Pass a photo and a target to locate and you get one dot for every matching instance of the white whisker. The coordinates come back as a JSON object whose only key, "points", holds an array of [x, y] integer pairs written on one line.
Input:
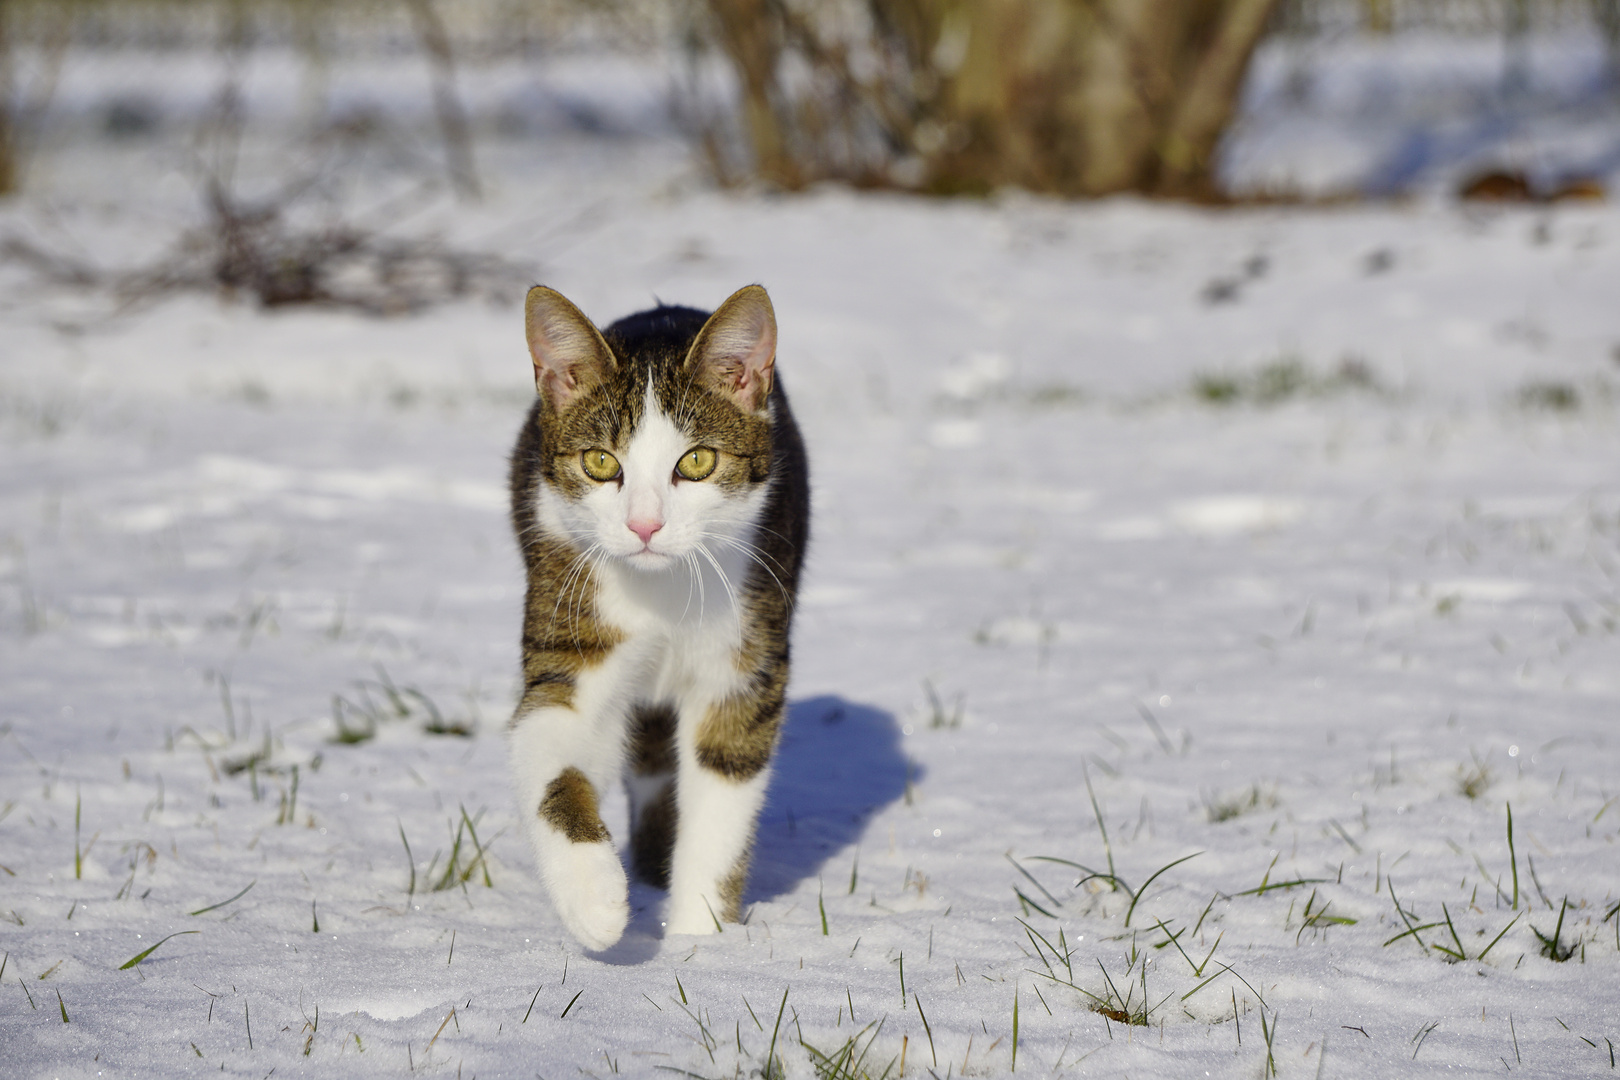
{"points": [[725, 582], [753, 552]]}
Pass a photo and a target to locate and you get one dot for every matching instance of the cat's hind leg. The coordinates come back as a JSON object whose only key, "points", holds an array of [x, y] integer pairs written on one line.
{"points": [[651, 782]]}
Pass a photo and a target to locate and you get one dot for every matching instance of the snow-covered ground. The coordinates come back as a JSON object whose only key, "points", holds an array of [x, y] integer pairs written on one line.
{"points": [[1285, 539]]}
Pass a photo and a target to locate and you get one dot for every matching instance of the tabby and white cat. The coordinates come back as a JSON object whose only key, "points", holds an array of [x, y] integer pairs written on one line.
{"points": [[661, 500]]}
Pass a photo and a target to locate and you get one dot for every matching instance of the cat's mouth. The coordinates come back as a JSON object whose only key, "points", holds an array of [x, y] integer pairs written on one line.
{"points": [[648, 559]]}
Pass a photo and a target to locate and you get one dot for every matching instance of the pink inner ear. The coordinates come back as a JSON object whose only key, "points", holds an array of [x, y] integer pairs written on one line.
{"points": [[743, 352], [562, 343]]}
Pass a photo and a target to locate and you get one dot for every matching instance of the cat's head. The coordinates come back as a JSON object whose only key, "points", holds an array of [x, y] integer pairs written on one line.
{"points": [[655, 433]]}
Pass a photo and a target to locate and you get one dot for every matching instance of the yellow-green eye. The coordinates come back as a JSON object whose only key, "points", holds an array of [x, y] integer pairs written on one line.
{"points": [[697, 463], [600, 465]]}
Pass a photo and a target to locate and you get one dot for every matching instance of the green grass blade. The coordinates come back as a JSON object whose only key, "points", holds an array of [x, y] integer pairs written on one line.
{"points": [[409, 858], [1500, 936], [481, 862], [770, 1055], [1461, 953], [1265, 887], [222, 903], [1108, 848], [1412, 932], [1031, 903], [138, 957], [1015, 1030], [1055, 901], [927, 1029], [1149, 881], [1513, 856]]}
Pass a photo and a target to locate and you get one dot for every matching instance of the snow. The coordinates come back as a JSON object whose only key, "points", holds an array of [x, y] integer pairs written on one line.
{"points": [[1327, 631]]}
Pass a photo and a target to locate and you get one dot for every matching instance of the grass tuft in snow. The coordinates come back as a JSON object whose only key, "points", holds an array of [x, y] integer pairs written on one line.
{"points": [[288, 809], [346, 735], [1410, 919], [1472, 782], [1175, 939], [1549, 396], [847, 1062], [1119, 883], [1224, 808], [398, 703], [1553, 947], [939, 715], [1460, 954], [1320, 919], [1120, 1008], [1284, 379], [454, 872]]}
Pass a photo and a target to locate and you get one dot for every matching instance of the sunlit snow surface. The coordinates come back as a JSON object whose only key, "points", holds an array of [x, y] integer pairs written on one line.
{"points": [[1326, 638]]}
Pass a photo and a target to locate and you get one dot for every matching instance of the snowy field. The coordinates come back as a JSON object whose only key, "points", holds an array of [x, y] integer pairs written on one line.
{"points": [[1193, 597]]}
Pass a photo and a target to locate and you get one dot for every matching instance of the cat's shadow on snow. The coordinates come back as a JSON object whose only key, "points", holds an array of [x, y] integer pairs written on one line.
{"points": [[838, 764]]}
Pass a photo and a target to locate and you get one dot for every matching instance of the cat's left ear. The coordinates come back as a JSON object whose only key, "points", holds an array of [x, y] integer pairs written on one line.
{"points": [[736, 349]]}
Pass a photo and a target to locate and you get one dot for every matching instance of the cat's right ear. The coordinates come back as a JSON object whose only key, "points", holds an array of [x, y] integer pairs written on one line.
{"points": [[568, 351]]}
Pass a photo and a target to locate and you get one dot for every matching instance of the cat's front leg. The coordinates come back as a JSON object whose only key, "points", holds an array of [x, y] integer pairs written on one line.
{"points": [[562, 766], [723, 774]]}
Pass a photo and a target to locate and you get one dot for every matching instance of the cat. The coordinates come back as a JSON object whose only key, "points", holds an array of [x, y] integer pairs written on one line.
{"points": [[660, 496]]}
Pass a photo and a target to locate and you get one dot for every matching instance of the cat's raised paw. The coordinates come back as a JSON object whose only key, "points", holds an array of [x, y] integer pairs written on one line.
{"points": [[591, 893]]}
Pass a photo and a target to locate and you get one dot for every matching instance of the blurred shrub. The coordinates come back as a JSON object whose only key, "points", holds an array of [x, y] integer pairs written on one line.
{"points": [[957, 96]]}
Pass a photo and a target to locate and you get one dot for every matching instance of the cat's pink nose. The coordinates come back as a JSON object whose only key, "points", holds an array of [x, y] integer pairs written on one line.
{"points": [[645, 529]]}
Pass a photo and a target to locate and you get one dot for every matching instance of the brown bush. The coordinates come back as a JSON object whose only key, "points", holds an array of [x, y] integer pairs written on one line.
{"points": [[1075, 97]]}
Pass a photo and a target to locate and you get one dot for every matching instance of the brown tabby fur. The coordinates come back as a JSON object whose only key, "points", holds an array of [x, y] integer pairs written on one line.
{"points": [[562, 633]]}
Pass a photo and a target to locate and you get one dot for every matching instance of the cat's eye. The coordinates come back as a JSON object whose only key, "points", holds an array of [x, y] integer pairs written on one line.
{"points": [[697, 463], [600, 465]]}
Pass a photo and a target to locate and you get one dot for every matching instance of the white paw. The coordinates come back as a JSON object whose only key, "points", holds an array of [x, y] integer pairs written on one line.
{"points": [[589, 889], [688, 914]]}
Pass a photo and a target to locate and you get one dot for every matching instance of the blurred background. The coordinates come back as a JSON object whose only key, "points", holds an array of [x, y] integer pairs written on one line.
{"points": [[1199, 99]]}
